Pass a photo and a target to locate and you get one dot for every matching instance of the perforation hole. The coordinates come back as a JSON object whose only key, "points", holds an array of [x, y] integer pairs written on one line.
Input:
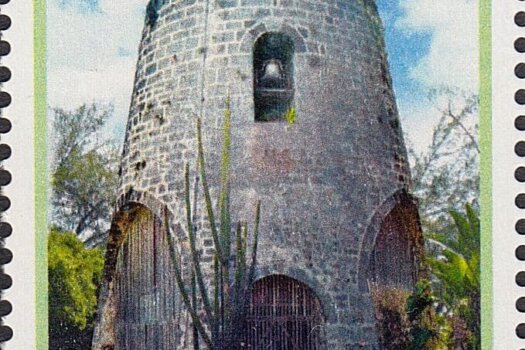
{"points": [[519, 122], [519, 19], [519, 148], [5, 281], [520, 279], [520, 252], [5, 203], [5, 308], [6, 256], [5, 99], [5, 230], [519, 70], [5, 125], [519, 97], [520, 330], [519, 174], [520, 304], [6, 333], [5, 48], [520, 201], [5, 22]]}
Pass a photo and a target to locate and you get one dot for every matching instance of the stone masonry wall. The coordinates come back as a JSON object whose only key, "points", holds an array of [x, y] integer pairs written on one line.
{"points": [[320, 180]]}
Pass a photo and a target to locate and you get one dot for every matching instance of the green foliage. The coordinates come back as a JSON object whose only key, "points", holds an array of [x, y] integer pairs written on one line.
{"points": [[410, 321], [445, 177], [290, 116], [222, 316], [82, 162], [393, 325], [458, 269], [74, 275], [429, 330]]}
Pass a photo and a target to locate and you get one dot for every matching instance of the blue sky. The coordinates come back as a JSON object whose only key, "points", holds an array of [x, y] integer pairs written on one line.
{"points": [[404, 49], [92, 48]]}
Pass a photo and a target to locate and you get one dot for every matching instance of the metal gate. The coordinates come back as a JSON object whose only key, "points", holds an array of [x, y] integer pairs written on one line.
{"points": [[145, 287], [284, 314]]}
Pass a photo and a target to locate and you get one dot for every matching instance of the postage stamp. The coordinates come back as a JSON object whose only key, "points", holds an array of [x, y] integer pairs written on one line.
{"points": [[262, 174]]}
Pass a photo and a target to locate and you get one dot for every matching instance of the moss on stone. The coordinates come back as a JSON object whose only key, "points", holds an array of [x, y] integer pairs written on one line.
{"points": [[290, 115]]}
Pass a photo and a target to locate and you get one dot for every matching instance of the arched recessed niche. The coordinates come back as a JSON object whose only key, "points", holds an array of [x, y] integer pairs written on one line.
{"points": [[393, 262], [273, 78]]}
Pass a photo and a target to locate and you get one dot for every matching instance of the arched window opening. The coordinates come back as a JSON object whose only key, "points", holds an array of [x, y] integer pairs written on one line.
{"points": [[145, 287], [284, 314], [273, 76], [393, 262]]}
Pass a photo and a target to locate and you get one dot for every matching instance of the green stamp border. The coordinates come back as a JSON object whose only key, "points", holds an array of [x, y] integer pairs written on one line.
{"points": [[485, 136], [40, 168], [40, 173]]}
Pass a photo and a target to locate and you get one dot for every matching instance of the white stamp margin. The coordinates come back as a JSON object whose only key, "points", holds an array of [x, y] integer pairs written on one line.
{"points": [[21, 165]]}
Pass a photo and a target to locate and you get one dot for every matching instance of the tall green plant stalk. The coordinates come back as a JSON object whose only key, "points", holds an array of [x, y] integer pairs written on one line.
{"points": [[196, 344], [224, 310], [225, 222], [182, 287]]}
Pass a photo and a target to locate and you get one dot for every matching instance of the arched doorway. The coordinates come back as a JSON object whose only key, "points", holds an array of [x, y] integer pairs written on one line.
{"points": [[284, 314], [144, 286], [394, 259], [393, 270]]}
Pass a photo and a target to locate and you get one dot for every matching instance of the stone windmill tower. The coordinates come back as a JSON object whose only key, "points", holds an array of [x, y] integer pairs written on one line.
{"points": [[337, 216]]}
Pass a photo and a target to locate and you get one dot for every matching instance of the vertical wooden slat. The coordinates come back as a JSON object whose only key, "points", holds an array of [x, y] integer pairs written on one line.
{"points": [[394, 258], [144, 287]]}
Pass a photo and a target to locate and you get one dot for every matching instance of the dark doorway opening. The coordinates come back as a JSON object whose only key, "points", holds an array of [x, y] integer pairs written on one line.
{"points": [[284, 314], [394, 262]]}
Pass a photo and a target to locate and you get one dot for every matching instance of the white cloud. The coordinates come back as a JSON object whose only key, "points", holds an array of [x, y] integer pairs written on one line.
{"points": [[418, 120], [86, 61], [88, 56], [453, 56], [111, 83], [452, 59]]}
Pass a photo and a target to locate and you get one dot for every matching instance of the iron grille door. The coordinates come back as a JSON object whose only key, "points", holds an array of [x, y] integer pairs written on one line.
{"points": [[284, 314]]}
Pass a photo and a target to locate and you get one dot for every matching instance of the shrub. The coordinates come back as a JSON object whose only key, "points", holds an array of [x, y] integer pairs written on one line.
{"points": [[392, 319], [74, 276], [428, 330]]}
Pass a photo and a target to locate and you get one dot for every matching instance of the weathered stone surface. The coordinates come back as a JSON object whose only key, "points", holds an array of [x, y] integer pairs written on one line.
{"points": [[321, 180]]}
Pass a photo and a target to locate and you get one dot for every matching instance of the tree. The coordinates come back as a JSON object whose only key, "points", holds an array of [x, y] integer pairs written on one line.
{"points": [[446, 174], [223, 312], [458, 269], [74, 275], [84, 174], [445, 177]]}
